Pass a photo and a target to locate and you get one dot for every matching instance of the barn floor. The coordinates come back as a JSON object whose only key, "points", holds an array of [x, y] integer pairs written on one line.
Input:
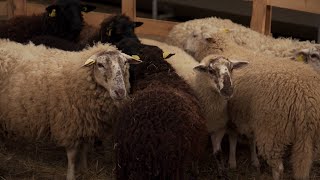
{"points": [[46, 162]]}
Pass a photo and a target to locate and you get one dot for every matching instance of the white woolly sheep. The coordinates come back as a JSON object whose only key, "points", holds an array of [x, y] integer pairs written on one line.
{"points": [[277, 103], [242, 36], [47, 94], [214, 104]]}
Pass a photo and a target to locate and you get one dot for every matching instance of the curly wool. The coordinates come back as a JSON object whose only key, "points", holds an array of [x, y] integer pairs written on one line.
{"points": [[242, 36], [162, 130], [278, 103], [47, 95]]}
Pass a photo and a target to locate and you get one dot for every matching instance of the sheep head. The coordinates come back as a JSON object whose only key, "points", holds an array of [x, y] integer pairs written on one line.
{"points": [[202, 42], [309, 56], [64, 18], [218, 70], [110, 70], [118, 27]]}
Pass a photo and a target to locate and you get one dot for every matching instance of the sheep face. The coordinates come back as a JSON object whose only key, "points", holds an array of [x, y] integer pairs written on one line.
{"points": [[64, 18], [110, 70], [218, 70], [203, 41], [310, 56], [117, 28]]}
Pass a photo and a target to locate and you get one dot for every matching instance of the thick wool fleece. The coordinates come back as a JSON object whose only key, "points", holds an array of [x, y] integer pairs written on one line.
{"points": [[47, 94], [162, 130], [212, 103], [278, 103], [243, 36]]}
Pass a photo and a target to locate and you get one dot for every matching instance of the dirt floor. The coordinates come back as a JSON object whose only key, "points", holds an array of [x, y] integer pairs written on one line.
{"points": [[38, 161]]}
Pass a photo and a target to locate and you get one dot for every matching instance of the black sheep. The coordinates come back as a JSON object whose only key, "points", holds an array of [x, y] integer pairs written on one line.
{"points": [[161, 131], [114, 29], [62, 19]]}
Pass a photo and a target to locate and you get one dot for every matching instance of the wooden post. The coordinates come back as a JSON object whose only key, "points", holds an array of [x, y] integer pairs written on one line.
{"points": [[16, 7], [128, 8], [267, 29], [261, 17], [10, 8], [20, 7]]}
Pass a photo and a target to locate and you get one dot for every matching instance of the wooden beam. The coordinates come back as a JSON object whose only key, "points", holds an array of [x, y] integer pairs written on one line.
{"points": [[267, 29], [20, 7], [3, 9], [154, 27], [311, 6], [128, 7], [258, 17], [10, 8]]}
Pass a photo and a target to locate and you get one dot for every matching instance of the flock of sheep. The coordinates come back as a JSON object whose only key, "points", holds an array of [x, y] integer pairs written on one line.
{"points": [[72, 84]]}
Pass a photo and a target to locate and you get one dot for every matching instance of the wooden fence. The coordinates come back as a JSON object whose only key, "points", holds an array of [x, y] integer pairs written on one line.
{"points": [[260, 19]]}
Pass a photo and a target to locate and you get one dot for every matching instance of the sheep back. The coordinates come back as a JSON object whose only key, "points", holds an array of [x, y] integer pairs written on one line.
{"points": [[47, 94]]}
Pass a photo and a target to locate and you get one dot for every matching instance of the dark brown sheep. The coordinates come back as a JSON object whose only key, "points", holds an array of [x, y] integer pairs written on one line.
{"points": [[62, 19]]}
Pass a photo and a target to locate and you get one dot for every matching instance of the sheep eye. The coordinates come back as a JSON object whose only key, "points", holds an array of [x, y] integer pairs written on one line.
{"points": [[100, 65], [211, 71], [314, 55], [194, 36]]}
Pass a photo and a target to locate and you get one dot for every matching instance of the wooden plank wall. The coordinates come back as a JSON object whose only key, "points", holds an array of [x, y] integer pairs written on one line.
{"points": [[262, 11]]}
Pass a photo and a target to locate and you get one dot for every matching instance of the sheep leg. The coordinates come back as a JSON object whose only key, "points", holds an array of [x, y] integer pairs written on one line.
{"points": [[272, 150], [232, 150], [84, 156], [254, 156], [216, 139], [302, 154], [72, 155]]}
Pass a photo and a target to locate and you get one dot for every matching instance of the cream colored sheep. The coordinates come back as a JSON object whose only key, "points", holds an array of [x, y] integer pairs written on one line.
{"points": [[214, 103], [242, 36], [276, 101], [48, 94]]}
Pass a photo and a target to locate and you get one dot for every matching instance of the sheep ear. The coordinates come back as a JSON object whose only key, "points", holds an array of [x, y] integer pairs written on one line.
{"points": [[89, 62], [138, 24], [210, 40], [239, 64], [87, 8], [134, 59], [167, 55], [201, 68], [52, 10]]}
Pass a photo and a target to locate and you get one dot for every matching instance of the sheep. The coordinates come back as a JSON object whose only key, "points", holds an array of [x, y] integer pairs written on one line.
{"points": [[49, 94], [213, 104], [242, 36], [276, 102], [62, 19], [161, 131], [114, 29], [309, 56]]}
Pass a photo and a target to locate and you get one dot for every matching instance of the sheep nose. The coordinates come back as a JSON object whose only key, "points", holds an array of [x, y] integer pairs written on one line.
{"points": [[120, 93]]}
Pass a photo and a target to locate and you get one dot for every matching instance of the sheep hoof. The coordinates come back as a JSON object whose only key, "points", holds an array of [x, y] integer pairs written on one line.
{"points": [[232, 164]]}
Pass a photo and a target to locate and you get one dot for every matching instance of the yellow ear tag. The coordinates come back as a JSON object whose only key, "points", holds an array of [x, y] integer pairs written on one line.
{"points": [[109, 32], [89, 62], [165, 55], [300, 58], [226, 30], [135, 57], [84, 9], [53, 13]]}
